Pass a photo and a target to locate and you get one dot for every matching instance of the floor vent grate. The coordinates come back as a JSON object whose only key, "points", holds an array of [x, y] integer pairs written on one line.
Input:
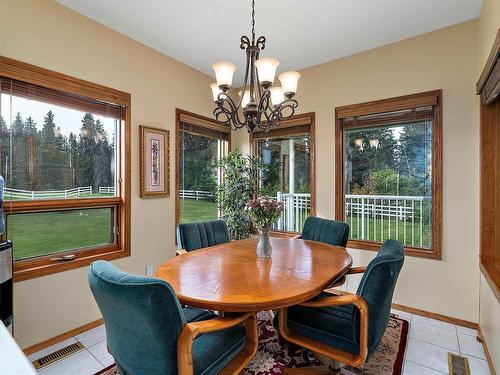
{"points": [[58, 355], [458, 365]]}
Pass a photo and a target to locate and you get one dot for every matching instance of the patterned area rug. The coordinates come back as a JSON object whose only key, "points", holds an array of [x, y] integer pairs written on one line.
{"points": [[273, 356]]}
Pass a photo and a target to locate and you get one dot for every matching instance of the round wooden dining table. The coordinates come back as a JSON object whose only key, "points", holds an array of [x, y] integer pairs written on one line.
{"points": [[231, 278]]}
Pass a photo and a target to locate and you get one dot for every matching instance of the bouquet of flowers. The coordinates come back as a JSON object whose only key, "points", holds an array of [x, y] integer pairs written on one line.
{"points": [[264, 211]]}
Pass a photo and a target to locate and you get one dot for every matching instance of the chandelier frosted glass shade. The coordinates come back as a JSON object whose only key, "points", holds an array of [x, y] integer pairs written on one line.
{"points": [[245, 99], [266, 68], [224, 72], [262, 105], [277, 95], [215, 90], [289, 81]]}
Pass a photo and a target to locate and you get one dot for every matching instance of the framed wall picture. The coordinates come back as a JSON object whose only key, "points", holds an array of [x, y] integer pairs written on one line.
{"points": [[154, 162]]}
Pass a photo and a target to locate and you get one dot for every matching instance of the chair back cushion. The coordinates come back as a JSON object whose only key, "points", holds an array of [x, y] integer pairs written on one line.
{"points": [[332, 232], [194, 236], [142, 316], [377, 287]]}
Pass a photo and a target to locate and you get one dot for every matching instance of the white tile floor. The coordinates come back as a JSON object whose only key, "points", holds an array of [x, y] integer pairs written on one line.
{"points": [[426, 353]]}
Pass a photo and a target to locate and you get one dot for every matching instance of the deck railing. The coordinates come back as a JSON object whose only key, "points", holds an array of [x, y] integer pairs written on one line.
{"points": [[297, 209], [378, 217], [370, 217]]}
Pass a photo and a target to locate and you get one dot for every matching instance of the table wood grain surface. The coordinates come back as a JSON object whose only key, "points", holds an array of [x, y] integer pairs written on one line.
{"points": [[231, 278]]}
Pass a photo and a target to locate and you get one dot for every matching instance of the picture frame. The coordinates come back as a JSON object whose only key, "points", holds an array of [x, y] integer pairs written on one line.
{"points": [[154, 162]]}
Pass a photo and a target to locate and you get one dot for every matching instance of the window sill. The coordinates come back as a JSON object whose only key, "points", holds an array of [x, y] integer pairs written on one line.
{"points": [[492, 276], [409, 250], [33, 268]]}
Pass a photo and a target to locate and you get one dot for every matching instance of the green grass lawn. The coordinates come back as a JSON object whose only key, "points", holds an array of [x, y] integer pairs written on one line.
{"points": [[36, 234], [193, 210], [373, 234]]}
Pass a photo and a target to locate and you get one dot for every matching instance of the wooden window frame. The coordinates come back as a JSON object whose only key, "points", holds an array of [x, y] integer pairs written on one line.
{"points": [[41, 266], [294, 125], [401, 103], [488, 88], [183, 116]]}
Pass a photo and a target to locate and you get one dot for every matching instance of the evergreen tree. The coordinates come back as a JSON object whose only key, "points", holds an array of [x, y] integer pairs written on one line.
{"points": [[415, 154], [73, 158], [18, 176], [198, 166], [369, 151], [86, 151], [102, 158], [31, 144], [52, 166], [4, 147]]}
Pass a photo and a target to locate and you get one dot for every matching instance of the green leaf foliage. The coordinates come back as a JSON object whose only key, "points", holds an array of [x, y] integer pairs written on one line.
{"points": [[239, 185]]}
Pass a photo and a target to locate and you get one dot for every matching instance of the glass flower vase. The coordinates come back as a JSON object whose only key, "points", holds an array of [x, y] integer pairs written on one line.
{"points": [[264, 248]]}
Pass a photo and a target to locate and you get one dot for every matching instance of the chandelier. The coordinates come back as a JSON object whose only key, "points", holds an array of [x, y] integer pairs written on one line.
{"points": [[262, 104]]}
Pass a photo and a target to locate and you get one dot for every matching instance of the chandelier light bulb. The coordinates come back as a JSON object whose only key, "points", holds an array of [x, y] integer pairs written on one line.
{"points": [[224, 73], [246, 98], [289, 82], [277, 95], [266, 68], [359, 143], [374, 143], [215, 90]]}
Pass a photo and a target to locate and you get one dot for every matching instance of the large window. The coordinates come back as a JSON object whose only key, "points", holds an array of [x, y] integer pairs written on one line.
{"points": [[201, 143], [66, 177], [288, 154], [388, 182], [488, 88]]}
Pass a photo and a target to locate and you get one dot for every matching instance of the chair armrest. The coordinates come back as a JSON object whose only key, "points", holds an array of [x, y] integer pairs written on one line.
{"points": [[330, 352], [217, 324], [180, 252], [192, 330], [354, 270], [341, 280]]}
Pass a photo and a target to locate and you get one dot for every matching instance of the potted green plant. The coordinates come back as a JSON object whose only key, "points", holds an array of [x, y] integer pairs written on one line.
{"points": [[240, 183]]}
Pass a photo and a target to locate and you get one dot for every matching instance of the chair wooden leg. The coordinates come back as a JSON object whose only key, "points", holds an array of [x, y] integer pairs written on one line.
{"points": [[249, 350], [271, 315]]}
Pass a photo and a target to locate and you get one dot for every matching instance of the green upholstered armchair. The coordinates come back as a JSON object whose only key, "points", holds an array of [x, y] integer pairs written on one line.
{"points": [[194, 236], [348, 327], [148, 333], [332, 232]]}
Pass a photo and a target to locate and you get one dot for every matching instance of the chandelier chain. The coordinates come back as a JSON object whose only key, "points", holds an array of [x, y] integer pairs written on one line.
{"points": [[253, 21]]}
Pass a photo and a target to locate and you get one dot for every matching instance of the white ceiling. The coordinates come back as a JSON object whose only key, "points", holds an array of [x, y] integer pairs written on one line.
{"points": [[300, 33]]}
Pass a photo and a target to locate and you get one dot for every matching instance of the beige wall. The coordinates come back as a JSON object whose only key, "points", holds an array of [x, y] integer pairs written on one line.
{"points": [[46, 34], [489, 319], [53, 37], [444, 59]]}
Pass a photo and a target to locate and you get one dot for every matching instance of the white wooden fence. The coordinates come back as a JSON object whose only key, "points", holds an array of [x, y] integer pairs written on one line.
{"points": [[11, 193], [19, 194], [196, 194], [110, 190]]}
